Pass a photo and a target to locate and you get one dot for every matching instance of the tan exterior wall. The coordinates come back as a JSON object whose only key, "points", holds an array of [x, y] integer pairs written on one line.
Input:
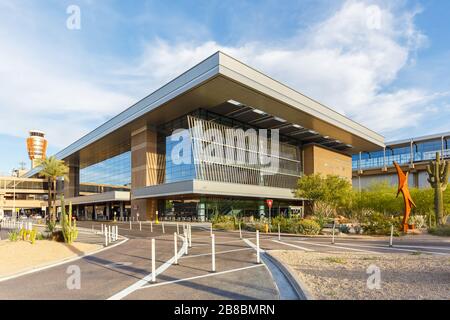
{"points": [[324, 161], [145, 171]]}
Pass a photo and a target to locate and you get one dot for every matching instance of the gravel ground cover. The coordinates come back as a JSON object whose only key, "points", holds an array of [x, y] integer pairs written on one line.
{"points": [[336, 276]]}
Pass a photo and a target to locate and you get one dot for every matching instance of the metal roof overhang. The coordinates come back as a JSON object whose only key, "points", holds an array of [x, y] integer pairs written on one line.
{"points": [[211, 83], [193, 188], [112, 196]]}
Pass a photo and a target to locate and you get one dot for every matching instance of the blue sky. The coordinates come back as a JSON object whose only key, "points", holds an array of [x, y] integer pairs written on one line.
{"points": [[382, 63]]}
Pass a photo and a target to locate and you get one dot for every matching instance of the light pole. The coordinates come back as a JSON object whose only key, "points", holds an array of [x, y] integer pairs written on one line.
{"points": [[14, 198]]}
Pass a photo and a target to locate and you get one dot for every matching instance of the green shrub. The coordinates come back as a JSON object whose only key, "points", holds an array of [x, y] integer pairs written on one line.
{"points": [[377, 223], [40, 236], [226, 222], [228, 225], [51, 226], [307, 227], [443, 231], [418, 221], [285, 224], [13, 236], [255, 225]]}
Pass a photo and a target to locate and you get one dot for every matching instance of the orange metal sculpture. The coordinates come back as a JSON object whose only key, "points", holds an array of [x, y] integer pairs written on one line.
{"points": [[403, 188]]}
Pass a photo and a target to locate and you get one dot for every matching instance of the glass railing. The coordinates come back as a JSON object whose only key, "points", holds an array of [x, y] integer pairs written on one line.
{"points": [[379, 162]]}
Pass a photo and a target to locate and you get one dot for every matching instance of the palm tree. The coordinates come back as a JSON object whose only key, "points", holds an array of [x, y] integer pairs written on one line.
{"points": [[52, 169]]}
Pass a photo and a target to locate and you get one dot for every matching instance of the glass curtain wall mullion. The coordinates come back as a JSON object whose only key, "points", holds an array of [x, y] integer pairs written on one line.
{"points": [[240, 170]]}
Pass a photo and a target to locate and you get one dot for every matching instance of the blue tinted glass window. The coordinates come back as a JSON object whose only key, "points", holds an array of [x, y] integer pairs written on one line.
{"points": [[113, 171]]}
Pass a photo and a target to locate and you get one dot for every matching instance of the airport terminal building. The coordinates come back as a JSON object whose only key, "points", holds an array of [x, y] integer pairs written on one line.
{"points": [[126, 167], [413, 155]]}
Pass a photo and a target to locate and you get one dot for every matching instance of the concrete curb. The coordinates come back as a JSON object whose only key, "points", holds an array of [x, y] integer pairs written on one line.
{"points": [[299, 286]]}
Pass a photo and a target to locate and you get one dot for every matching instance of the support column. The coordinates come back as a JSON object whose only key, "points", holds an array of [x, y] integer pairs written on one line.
{"points": [[144, 171], [72, 187], [108, 211], [121, 211]]}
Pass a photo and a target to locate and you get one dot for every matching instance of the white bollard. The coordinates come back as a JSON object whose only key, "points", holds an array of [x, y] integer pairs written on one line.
{"points": [[151, 226], [175, 247], [140, 226], [332, 239], [163, 230], [153, 261], [178, 228], [240, 231], [130, 224], [258, 260], [102, 228], [210, 230], [106, 237], [392, 234], [109, 234], [213, 253], [279, 234], [190, 236]]}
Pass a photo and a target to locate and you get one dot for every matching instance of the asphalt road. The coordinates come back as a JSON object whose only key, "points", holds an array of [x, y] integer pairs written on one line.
{"points": [[118, 272]]}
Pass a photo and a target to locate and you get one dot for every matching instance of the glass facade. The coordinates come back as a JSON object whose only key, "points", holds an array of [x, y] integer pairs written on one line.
{"points": [[421, 151], [177, 171], [242, 170], [115, 171], [243, 157]]}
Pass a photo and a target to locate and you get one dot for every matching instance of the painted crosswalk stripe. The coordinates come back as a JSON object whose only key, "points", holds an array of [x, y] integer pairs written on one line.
{"points": [[199, 277], [340, 247], [395, 249], [219, 252], [293, 245]]}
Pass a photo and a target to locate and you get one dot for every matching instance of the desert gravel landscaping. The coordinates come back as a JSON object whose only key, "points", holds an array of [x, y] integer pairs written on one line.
{"points": [[21, 256], [342, 276]]}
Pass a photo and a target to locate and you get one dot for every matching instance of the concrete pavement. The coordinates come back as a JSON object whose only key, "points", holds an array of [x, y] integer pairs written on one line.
{"points": [[237, 275]]}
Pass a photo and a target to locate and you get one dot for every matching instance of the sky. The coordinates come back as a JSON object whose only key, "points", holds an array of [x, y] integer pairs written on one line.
{"points": [[384, 64]]}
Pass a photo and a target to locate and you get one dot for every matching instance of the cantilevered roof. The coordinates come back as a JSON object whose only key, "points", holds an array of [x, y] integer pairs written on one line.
{"points": [[404, 142], [212, 82]]}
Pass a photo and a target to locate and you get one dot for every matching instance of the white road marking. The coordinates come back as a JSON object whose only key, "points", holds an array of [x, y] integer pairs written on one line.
{"points": [[339, 247], [421, 247], [251, 244], [199, 277], [125, 292], [292, 245], [218, 243], [220, 252], [395, 249]]}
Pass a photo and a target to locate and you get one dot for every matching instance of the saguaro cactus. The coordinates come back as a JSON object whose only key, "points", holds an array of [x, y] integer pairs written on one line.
{"points": [[69, 228], [438, 172]]}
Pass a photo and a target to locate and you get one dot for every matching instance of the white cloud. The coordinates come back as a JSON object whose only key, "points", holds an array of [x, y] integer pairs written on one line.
{"points": [[348, 62]]}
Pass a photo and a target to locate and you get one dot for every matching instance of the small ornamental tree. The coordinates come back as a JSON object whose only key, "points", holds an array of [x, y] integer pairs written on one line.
{"points": [[326, 194]]}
